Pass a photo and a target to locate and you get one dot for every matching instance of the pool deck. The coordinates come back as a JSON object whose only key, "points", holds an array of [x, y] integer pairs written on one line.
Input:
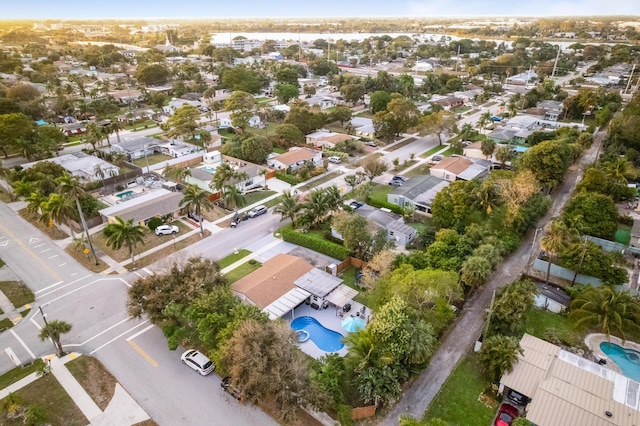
{"points": [[330, 319], [593, 342]]}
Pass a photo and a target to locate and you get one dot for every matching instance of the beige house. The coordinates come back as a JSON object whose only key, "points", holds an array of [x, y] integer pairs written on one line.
{"points": [[295, 158], [566, 389], [460, 168]]}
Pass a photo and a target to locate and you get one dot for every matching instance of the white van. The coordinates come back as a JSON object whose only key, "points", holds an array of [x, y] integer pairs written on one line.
{"points": [[335, 160]]}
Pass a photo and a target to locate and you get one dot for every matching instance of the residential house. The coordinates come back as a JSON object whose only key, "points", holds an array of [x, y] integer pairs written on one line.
{"points": [[254, 176], [553, 109], [176, 103], [137, 148], [447, 102], [155, 203], [564, 388], [295, 158], [74, 129], [522, 79], [393, 225], [254, 122], [460, 168], [82, 166], [363, 127], [284, 282], [417, 193], [324, 102], [136, 115], [321, 139]]}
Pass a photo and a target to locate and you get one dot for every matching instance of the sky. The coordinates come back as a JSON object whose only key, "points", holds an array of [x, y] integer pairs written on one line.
{"points": [[74, 9]]}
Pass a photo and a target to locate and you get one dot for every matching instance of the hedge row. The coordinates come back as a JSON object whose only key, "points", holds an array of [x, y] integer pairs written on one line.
{"points": [[329, 248], [290, 179], [384, 205]]}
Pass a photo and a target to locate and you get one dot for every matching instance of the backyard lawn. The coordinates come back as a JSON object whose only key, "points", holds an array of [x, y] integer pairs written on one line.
{"points": [[421, 170], [551, 326], [458, 402], [152, 159]]}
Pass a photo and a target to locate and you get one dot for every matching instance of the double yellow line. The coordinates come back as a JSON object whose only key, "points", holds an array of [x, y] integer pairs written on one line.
{"points": [[143, 353], [28, 250]]}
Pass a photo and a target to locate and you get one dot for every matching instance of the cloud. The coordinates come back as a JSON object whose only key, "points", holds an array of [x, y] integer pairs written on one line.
{"points": [[469, 8]]}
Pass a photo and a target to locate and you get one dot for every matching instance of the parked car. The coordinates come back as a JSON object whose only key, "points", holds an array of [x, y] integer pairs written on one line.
{"points": [[372, 144], [356, 204], [505, 416], [400, 178], [396, 183], [257, 211], [167, 230], [437, 158], [225, 384], [194, 217], [517, 398], [198, 361], [335, 160]]}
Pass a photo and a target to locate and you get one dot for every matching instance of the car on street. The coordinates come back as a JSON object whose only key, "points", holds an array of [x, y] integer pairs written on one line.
{"points": [[226, 385], [400, 178], [198, 361], [505, 416], [335, 160], [396, 183], [257, 211], [167, 230]]}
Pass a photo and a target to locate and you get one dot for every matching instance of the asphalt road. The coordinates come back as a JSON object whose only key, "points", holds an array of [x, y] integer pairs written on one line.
{"points": [[461, 337]]}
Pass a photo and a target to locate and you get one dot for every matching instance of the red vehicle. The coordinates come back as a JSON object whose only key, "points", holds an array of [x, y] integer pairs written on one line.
{"points": [[505, 416]]}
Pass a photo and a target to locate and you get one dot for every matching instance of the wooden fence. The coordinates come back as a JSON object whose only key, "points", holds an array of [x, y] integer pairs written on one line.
{"points": [[349, 261], [363, 412]]}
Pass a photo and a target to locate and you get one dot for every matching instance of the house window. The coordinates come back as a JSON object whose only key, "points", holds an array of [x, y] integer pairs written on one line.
{"points": [[391, 233]]}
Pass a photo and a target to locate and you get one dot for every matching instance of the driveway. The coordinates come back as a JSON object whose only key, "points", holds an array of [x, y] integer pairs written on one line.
{"points": [[461, 337]]}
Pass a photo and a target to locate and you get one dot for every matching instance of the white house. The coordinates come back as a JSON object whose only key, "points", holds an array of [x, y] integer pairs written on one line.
{"points": [[295, 158], [253, 122], [176, 103], [83, 166]]}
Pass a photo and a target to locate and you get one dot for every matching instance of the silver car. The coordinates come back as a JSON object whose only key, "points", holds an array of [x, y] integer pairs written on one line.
{"points": [[167, 230]]}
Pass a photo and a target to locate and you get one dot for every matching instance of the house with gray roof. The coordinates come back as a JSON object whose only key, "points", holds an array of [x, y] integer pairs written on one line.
{"points": [[157, 203], [82, 166], [137, 148], [392, 224], [417, 193]]}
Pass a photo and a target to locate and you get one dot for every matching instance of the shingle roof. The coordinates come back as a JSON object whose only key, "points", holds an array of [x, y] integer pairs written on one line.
{"points": [[454, 165], [272, 280], [293, 156], [416, 186]]}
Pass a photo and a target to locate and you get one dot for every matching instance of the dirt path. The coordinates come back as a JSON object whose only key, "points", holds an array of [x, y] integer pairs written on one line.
{"points": [[462, 336]]}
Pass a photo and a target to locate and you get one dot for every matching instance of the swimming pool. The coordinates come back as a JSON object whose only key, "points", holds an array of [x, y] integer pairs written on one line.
{"points": [[325, 339], [627, 359], [209, 169], [125, 194]]}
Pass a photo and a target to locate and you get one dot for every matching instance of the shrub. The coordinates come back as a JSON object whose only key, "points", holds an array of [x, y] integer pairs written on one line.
{"points": [[384, 205], [154, 222], [290, 179], [329, 248], [626, 220]]}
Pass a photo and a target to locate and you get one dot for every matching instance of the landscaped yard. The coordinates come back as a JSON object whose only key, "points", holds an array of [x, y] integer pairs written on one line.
{"points": [[379, 193], [52, 232], [17, 293], [164, 253], [458, 402], [551, 326], [421, 170], [48, 397], [141, 125], [94, 378], [18, 373], [433, 151], [152, 159], [233, 258], [270, 129], [254, 197], [319, 181], [242, 271]]}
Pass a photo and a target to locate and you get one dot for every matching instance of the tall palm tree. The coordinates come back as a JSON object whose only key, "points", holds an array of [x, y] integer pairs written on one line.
{"points": [[484, 119], [195, 200], [127, 234], [503, 154], [486, 197], [611, 311], [556, 239], [35, 200], [58, 209], [177, 173], [53, 330], [69, 186], [316, 206], [224, 172], [99, 172], [289, 207], [115, 127], [475, 271], [233, 197]]}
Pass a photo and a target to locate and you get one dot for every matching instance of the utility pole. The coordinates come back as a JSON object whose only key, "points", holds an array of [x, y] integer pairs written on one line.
{"points": [[584, 251], [630, 78], [533, 245], [46, 325], [555, 64], [489, 314]]}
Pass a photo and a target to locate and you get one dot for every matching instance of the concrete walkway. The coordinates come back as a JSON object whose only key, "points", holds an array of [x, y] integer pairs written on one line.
{"points": [[122, 409]]}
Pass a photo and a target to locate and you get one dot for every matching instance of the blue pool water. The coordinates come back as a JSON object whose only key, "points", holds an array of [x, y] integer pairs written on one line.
{"points": [[125, 194], [627, 359], [211, 170], [325, 339]]}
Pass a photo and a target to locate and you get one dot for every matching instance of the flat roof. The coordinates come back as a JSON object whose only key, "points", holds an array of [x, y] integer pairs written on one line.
{"points": [[158, 202]]}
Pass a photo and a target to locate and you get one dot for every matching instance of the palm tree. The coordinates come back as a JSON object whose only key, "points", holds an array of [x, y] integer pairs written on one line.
{"points": [[70, 187], [316, 206], [499, 354], [196, 199], [611, 311], [224, 172], [289, 207], [35, 200], [485, 118], [53, 330], [115, 127], [233, 197], [99, 172], [486, 197], [488, 147], [556, 239], [58, 209], [125, 233], [619, 169], [475, 271], [177, 173], [503, 154]]}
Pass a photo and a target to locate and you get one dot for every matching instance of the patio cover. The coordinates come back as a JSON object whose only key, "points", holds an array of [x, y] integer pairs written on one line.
{"points": [[317, 282], [341, 295], [286, 303]]}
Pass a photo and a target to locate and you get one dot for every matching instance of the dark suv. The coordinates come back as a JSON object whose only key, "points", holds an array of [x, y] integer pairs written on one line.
{"points": [[225, 384], [517, 398]]}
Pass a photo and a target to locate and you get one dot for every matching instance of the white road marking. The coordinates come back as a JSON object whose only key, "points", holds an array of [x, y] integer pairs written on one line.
{"points": [[39, 245], [60, 282], [148, 271], [53, 257], [13, 357], [38, 326], [140, 332], [67, 285], [125, 282], [24, 345], [75, 273], [44, 251], [105, 330], [62, 264], [34, 240], [117, 337], [4, 243], [138, 274]]}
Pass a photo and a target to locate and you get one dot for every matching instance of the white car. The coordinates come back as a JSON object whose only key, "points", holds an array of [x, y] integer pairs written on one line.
{"points": [[167, 230], [257, 211], [335, 160], [198, 361]]}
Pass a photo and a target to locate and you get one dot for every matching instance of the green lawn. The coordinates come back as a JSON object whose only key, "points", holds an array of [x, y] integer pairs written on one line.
{"points": [[421, 170], [551, 326], [241, 271], [152, 159], [349, 278], [623, 234], [279, 150], [458, 401], [273, 202], [141, 125], [254, 197], [233, 258], [449, 152], [5, 324], [320, 181], [18, 373], [380, 192], [17, 293], [269, 130], [433, 151]]}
